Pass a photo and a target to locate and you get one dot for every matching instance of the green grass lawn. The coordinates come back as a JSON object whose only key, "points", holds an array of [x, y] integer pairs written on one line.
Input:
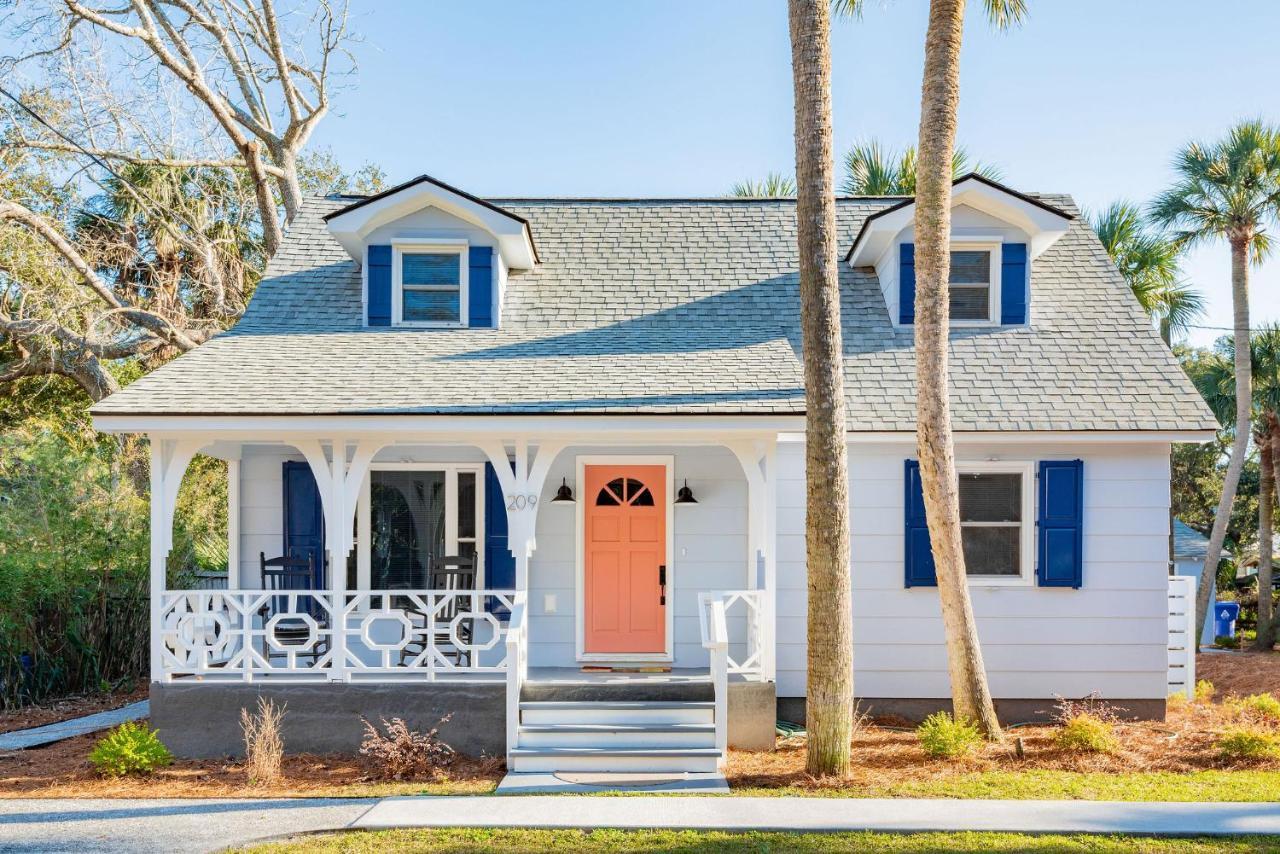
{"points": [[1243, 785], [690, 842]]}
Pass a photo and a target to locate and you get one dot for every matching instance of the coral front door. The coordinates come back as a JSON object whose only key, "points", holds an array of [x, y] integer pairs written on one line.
{"points": [[624, 573]]}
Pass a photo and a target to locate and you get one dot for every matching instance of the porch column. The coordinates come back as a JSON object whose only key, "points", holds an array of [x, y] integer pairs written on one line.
{"points": [[759, 463], [169, 461], [339, 483], [522, 484], [233, 524]]}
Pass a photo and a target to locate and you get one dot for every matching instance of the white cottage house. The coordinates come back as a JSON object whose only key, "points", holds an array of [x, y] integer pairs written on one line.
{"points": [[539, 464]]}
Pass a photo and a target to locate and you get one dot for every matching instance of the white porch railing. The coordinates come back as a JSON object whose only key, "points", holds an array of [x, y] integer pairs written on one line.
{"points": [[744, 657], [518, 669], [1184, 636], [320, 635], [714, 616]]}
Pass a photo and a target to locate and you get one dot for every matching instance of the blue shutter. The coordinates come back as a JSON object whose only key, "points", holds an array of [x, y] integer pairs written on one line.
{"points": [[1013, 283], [1061, 522], [480, 286], [304, 518], [907, 283], [499, 563], [379, 283], [918, 549]]}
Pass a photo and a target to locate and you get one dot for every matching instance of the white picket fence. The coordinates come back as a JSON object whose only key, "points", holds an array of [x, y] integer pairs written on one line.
{"points": [[1183, 635]]}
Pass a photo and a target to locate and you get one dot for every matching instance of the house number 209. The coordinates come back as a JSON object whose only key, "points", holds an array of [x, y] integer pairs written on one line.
{"points": [[520, 502]]}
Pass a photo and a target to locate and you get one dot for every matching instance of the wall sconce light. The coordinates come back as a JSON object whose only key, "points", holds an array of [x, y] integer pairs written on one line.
{"points": [[564, 495], [685, 495]]}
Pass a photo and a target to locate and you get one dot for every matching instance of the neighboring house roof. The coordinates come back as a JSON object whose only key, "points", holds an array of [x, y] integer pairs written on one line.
{"points": [[674, 306], [1189, 544]]}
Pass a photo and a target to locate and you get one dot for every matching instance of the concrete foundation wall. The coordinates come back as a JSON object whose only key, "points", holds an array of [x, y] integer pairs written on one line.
{"points": [[203, 721], [1010, 711]]}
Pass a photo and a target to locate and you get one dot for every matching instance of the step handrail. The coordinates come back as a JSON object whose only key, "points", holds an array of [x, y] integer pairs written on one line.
{"points": [[715, 639], [517, 666]]}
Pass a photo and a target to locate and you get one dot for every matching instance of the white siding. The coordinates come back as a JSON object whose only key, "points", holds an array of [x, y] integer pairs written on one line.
{"points": [[1108, 637]]}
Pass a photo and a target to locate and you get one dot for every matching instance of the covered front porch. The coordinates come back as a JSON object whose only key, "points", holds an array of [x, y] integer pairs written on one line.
{"points": [[523, 601]]}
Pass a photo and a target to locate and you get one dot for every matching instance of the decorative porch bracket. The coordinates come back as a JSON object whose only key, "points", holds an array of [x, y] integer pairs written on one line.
{"points": [[759, 461], [522, 485]]}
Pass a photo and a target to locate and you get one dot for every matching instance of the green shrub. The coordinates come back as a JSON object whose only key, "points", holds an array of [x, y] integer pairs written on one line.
{"points": [[1227, 642], [1086, 733], [1264, 706], [131, 748], [1205, 691], [946, 737], [1248, 743]]}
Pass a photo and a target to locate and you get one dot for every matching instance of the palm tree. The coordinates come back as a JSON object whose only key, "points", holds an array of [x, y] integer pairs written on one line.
{"points": [[871, 170], [1227, 189], [1214, 377], [1149, 263], [829, 705], [935, 443], [774, 186]]}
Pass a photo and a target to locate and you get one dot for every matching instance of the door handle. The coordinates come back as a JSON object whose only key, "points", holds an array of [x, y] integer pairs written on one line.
{"points": [[662, 583]]}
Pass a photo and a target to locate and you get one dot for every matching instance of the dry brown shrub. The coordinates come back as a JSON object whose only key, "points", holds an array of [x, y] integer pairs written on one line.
{"points": [[263, 741], [398, 753]]}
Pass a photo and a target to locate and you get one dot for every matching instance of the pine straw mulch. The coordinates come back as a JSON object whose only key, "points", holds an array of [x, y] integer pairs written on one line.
{"points": [[1240, 672], [66, 708], [62, 770], [885, 757]]}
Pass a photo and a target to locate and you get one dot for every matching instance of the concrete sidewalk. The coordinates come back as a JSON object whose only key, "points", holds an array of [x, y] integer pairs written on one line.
{"points": [[120, 826], [825, 814], [23, 739], [127, 826]]}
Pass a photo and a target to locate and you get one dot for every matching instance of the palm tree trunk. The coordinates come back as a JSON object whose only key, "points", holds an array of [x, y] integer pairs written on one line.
{"points": [[970, 694], [829, 705], [1266, 612], [1240, 242], [1266, 498]]}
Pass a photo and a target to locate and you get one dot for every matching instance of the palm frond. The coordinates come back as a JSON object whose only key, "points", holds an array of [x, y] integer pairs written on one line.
{"points": [[870, 169], [1006, 14], [773, 186], [847, 8]]}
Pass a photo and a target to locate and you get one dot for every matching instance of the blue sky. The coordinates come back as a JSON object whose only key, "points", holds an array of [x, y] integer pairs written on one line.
{"points": [[660, 97]]}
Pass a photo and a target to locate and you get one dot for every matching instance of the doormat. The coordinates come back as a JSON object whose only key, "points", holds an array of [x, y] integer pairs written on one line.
{"points": [[605, 668]]}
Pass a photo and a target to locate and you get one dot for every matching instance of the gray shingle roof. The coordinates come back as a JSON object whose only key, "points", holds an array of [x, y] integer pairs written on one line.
{"points": [[1189, 544], [679, 306]]}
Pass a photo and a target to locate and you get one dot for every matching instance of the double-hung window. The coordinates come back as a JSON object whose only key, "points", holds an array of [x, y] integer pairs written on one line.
{"points": [[970, 285], [996, 521], [430, 284]]}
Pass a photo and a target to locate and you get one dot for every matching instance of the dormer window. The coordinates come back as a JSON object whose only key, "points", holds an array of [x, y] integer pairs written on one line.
{"points": [[429, 283], [972, 287]]}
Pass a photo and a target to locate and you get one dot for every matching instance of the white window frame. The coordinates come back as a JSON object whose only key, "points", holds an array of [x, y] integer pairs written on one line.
{"points": [[993, 249], [413, 246], [364, 516], [1027, 540]]}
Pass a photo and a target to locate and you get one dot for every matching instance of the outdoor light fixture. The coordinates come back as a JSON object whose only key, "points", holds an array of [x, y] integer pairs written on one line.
{"points": [[564, 495], [685, 495]]}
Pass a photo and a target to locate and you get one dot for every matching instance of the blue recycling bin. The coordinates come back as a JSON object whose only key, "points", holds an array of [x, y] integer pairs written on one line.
{"points": [[1225, 615]]}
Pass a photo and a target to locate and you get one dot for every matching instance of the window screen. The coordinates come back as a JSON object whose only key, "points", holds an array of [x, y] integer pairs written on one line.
{"points": [[991, 523], [431, 284], [969, 286]]}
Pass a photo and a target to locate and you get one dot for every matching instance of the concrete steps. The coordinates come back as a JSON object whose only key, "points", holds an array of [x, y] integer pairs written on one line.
{"points": [[655, 736]]}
